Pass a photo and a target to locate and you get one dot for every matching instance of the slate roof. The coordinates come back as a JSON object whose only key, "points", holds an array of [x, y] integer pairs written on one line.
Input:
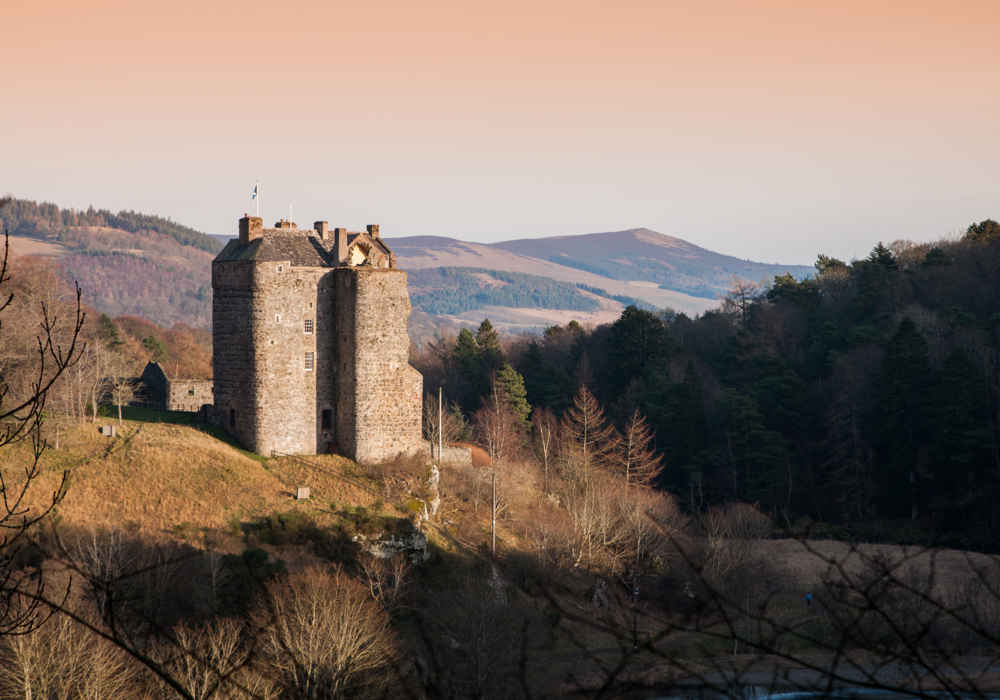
{"points": [[296, 246]]}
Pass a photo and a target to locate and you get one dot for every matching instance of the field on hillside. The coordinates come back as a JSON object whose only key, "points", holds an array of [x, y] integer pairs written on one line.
{"points": [[22, 245]]}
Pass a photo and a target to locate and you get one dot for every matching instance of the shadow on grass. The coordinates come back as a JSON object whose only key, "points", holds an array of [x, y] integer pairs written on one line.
{"points": [[142, 414]]}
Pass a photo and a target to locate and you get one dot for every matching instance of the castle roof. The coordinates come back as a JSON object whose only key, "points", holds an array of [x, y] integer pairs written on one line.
{"points": [[302, 250], [303, 247]]}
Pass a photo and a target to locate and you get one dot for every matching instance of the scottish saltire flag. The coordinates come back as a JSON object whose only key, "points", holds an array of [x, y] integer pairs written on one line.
{"points": [[253, 193]]}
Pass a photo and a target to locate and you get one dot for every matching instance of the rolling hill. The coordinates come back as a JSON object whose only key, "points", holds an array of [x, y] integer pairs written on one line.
{"points": [[136, 264]]}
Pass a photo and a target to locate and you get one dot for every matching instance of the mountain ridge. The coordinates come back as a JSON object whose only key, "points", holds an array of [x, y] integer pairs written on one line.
{"points": [[155, 268]]}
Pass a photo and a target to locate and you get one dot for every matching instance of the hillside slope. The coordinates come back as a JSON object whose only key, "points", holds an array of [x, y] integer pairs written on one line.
{"points": [[134, 264], [422, 252], [648, 256]]}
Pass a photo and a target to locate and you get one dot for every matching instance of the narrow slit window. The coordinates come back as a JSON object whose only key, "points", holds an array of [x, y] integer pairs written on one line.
{"points": [[310, 361], [309, 326], [326, 419], [277, 318], [232, 417]]}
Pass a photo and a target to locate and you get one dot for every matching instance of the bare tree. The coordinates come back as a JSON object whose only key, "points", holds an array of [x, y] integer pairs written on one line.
{"points": [[453, 426], [545, 428], [387, 578], [324, 635], [500, 430], [739, 298], [56, 346], [62, 659], [214, 661], [121, 382]]}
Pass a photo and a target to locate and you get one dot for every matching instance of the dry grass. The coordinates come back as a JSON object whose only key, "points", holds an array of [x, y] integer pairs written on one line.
{"points": [[805, 562], [160, 477]]}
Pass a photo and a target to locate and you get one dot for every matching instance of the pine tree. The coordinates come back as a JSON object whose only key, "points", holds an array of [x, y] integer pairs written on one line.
{"points": [[490, 353], [511, 385], [639, 460], [585, 426]]}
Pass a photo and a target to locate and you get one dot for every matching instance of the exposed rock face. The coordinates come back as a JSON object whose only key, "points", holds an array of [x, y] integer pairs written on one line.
{"points": [[385, 546], [433, 495], [310, 344]]}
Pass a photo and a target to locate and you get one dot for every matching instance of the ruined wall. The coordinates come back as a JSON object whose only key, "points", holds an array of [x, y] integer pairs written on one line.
{"points": [[379, 394], [232, 352], [188, 394]]}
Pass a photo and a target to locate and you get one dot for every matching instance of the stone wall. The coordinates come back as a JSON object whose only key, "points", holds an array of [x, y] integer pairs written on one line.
{"points": [[188, 394], [285, 379], [379, 402], [232, 351]]}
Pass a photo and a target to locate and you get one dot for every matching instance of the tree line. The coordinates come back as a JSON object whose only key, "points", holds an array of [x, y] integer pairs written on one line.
{"points": [[867, 396], [22, 217]]}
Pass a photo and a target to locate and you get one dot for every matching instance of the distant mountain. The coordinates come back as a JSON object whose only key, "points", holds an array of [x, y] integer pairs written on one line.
{"points": [[631, 266], [645, 255], [131, 263]]}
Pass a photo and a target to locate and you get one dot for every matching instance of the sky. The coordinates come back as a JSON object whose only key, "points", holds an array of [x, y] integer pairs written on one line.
{"points": [[768, 129]]}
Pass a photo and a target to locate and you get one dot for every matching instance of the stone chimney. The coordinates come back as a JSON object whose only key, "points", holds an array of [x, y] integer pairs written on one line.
{"points": [[323, 229], [340, 244], [373, 230], [285, 224], [251, 228]]}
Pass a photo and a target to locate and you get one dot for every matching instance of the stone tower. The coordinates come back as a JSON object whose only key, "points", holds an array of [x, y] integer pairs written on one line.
{"points": [[310, 343]]}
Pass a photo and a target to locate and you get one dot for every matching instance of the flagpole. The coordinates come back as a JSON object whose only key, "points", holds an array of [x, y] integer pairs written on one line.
{"points": [[257, 199]]}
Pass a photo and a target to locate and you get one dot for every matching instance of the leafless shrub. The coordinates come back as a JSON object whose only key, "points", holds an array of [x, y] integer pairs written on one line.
{"points": [[323, 635], [214, 660], [386, 579], [62, 659]]}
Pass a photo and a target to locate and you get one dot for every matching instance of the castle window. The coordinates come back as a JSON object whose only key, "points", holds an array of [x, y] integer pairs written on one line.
{"points": [[281, 268], [310, 361], [190, 392], [308, 325], [232, 417], [326, 419], [277, 318]]}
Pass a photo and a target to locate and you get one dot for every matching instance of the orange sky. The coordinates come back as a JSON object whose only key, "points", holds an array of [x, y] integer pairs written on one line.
{"points": [[769, 130]]}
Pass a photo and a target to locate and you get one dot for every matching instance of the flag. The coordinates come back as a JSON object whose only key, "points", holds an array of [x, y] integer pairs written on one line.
{"points": [[253, 193]]}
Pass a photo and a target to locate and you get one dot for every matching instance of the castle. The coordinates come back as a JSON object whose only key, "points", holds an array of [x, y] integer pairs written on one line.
{"points": [[310, 343]]}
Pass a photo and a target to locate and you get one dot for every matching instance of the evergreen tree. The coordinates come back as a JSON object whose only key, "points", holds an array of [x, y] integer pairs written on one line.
{"points": [[510, 385], [107, 331], [490, 353], [904, 420]]}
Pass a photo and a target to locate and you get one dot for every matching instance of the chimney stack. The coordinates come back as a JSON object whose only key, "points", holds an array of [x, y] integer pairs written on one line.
{"points": [[323, 229], [339, 244], [251, 228], [373, 230]]}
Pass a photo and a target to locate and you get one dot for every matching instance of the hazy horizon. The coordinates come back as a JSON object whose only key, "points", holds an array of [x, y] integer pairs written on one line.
{"points": [[769, 130]]}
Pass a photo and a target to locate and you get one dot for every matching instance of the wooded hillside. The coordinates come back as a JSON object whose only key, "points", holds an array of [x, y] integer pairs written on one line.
{"points": [[868, 396]]}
